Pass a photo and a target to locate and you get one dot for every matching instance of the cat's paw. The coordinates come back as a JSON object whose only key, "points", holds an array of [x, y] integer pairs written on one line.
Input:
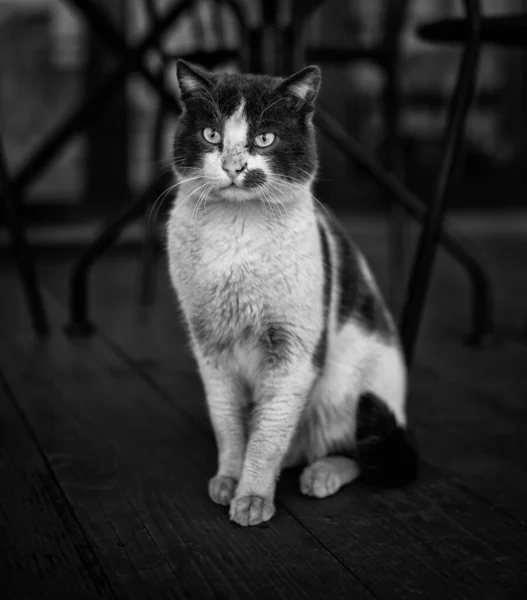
{"points": [[222, 489], [251, 510], [320, 480]]}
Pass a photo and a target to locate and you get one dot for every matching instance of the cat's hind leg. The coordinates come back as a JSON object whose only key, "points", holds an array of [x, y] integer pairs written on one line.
{"points": [[327, 475]]}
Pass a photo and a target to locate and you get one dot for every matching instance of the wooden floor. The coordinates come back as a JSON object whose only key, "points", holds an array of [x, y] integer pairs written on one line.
{"points": [[105, 453]]}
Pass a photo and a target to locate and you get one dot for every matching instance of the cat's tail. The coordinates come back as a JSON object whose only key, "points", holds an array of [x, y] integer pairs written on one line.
{"points": [[384, 450]]}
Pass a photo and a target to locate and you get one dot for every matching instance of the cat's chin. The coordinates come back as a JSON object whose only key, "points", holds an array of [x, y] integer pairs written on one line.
{"points": [[236, 193]]}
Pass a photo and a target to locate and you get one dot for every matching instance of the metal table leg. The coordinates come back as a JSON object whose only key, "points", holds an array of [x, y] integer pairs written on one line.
{"points": [[80, 324], [21, 250], [431, 232]]}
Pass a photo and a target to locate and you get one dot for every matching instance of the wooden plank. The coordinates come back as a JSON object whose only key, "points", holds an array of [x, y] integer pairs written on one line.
{"points": [[483, 443], [42, 546], [419, 535], [439, 540], [135, 470]]}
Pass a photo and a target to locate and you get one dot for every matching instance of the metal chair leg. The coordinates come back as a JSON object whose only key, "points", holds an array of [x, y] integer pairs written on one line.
{"points": [[396, 218], [91, 106], [482, 305], [150, 243], [391, 103], [431, 232], [21, 250], [80, 324]]}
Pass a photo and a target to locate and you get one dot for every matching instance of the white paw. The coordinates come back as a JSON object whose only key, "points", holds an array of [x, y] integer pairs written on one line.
{"points": [[319, 480], [251, 510], [222, 489]]}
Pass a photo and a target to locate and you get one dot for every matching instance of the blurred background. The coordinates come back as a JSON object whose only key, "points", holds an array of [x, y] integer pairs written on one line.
{"points": [[49, 59], [111, 428]]}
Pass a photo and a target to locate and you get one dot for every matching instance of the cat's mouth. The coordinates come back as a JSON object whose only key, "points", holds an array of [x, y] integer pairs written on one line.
{"points": [[234, 185], [231, 187], [237, 192]]}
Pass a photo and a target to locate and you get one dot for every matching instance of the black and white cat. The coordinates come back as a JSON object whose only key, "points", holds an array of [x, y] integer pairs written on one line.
{"points": [[299, 357]]}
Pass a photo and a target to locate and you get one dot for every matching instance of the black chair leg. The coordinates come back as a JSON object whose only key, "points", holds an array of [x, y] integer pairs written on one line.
{"points": [[80, 324], [391, 103], [90, 107], [396, 218], [21, 250], [431, 231]]}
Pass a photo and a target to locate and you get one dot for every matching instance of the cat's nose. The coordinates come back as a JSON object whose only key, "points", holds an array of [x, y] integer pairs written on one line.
{"points": [[233, 166]]}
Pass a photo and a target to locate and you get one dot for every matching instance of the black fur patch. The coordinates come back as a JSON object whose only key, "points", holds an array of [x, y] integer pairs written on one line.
{"points": [[384, 451], [356, 298], [319, 356], [254, 178]]}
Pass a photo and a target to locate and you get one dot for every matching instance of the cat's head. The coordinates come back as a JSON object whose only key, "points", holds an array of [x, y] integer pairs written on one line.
{"points": [[246, 136]]}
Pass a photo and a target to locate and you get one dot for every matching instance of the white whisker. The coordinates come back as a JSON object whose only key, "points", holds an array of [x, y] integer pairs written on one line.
{"points": [[160, 199], [204, 194], [212, 101], [270, 105]]}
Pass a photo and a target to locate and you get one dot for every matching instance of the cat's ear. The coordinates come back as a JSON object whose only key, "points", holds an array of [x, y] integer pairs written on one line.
{"points": [[192, 80], [303, 86]]}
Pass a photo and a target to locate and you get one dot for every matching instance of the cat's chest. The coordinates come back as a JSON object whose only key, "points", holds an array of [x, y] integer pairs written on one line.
{"points": [[231, 276], [236, 262]]}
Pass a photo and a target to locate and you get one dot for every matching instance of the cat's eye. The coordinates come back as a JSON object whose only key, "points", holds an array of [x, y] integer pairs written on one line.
{"points": [[212, 136], [264, 139]]}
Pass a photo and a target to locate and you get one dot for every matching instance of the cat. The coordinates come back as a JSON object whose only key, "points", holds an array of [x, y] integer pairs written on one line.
{"points": [[299, 356]]}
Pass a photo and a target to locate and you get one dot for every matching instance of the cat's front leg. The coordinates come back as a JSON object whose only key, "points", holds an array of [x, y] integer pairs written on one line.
{"points": [[279, 403], [226, 400]]}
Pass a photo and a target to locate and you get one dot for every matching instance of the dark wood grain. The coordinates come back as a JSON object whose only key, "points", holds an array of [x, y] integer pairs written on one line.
{"points": [[42, 546]]}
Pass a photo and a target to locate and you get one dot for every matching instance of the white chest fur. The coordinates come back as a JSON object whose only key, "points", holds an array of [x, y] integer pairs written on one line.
{"points": [[238, 270]]}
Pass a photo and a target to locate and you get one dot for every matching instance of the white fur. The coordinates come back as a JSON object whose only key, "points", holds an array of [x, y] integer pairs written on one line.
{"points": [[301, 88], [235, 129]]}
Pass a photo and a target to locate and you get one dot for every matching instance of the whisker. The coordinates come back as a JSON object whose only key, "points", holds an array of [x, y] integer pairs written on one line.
{"points": [[182, 202], [160, 199], [274, 202], [261, 197], [293, 187], [323, 207], [269, 203], [202, 197], [270, 105], [212, 101], [279, 203]]}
